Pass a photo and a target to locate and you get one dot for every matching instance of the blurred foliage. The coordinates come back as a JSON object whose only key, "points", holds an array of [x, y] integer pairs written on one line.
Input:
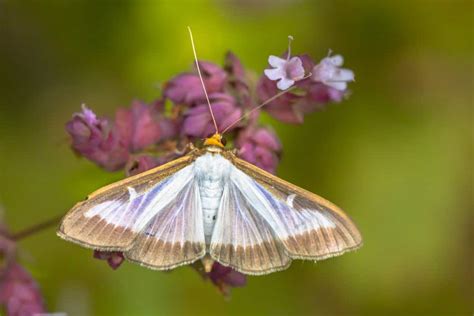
{"points": [[397, 155]]}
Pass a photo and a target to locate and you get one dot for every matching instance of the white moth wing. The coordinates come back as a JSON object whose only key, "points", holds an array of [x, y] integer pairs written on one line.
{"points": [[139, 212], [175, 235], [242, 239], [308, 226]]}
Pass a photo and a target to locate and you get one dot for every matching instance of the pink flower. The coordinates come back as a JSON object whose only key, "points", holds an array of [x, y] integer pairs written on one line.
{"points": [[286, 71], [260, 147], [97, 140], [293, 106], [142, 125], [186, 88], [19, 293], [114, 258], [225, 278], [198, 120], [328, 71]]}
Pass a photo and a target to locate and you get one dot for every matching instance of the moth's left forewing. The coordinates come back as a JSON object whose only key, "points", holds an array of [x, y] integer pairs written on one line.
{"points": [[108, 218], [310, 227]]}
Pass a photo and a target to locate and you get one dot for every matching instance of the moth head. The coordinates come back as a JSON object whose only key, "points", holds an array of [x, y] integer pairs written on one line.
{"points": [[215, 140]]}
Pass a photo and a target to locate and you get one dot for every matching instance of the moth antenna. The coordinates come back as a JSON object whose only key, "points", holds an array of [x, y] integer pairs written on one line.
{"points": [[263, 104], [202, 80]]}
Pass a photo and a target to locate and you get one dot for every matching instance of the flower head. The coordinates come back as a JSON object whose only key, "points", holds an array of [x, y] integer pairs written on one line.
{"points": [[142, 125], [286, 71], [329, 72], [309, 96], [97, 140], [259, 146], [198, 120], [187, 89], [19, 293]]}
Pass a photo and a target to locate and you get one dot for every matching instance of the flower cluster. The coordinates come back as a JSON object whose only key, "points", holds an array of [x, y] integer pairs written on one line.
{"points": [[147, 135], [19, 292]]}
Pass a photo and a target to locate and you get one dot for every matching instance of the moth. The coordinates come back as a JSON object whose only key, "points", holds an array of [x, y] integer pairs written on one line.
{"points": [[210, 205]]}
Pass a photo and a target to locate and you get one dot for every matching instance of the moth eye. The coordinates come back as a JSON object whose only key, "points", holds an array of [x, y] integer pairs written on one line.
{"points": [[223, 141], [209, 135]]}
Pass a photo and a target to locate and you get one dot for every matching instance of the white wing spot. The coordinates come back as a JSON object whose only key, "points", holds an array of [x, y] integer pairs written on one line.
{"points": [[132, 193], [290, 199]]}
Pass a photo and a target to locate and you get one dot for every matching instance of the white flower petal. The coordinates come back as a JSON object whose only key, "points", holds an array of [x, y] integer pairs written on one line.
{"points": [[274, 74], [275, 61], [285, 83], [336, 60], [338, 85], [344, 75], [323, 72]]}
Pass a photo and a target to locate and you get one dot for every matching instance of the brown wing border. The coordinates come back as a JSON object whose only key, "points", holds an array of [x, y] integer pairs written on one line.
{"points": [[272, 183]]}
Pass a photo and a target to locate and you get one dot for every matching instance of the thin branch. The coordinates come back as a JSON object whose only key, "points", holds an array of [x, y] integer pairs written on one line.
{"points": [[36, 228]]}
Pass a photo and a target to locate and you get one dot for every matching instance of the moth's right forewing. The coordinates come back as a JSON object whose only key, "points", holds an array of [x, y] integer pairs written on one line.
{"points": [[107, 219], [309, 226]]}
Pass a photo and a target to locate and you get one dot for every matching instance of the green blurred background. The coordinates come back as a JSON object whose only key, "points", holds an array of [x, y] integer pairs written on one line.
{"points": [[397, 155]]}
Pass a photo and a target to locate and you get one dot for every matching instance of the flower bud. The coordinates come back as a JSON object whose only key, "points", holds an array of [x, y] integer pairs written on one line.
{"points": [[260, 147], [97, 140]]}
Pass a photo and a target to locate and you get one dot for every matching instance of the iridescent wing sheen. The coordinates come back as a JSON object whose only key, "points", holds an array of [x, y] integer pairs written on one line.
{"points": [[124, 216], [242, 239], [264, 222], [309, 226]]}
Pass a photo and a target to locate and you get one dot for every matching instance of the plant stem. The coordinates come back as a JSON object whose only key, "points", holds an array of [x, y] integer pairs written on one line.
{"points": [[35, 228]]}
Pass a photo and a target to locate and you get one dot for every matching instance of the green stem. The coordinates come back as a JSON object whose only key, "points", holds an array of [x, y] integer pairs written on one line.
{"points": [[35, 228]]}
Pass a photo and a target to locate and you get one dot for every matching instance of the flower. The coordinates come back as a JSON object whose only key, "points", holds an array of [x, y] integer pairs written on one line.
{"points": [[198, 120], [19, 293], [225, 278], [309, 96], [328, 71], [286, 71], [260, 147], [97, 140], [114, 258], [142, 125], [187, 89]]}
